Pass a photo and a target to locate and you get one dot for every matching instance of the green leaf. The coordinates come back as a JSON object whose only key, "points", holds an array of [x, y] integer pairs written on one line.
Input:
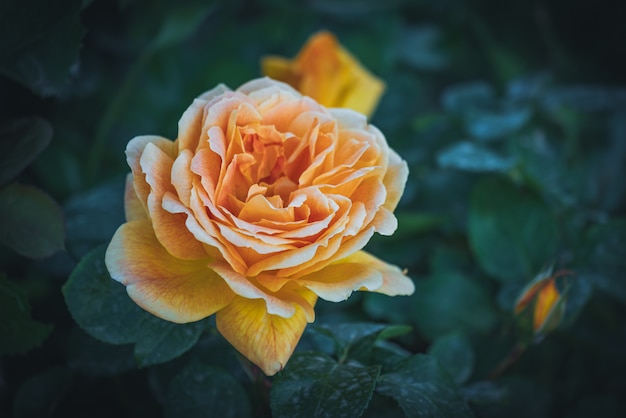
{"points": [[182, 22], [39, 43], [96, 358], [424, 390], [31, 223], [601, 258], [484, 392], [93, 216], [18, 331], [419, 47], [587, 98], [356, 340], [468, 156], [496, 121], [315, 385], [102, 307], [512, 232], [461, 97], [455, 354], [40, 395], [381, 307], [413, 223], [22, 140], [448, 302], [205, 391]]}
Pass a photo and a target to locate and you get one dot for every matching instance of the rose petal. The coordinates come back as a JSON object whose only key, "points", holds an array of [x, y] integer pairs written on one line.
{"points": [[395, 180], [134, 152], [133, 208], [278, 304], [395, 282], [336, 282], [365, 89], [266, 340], [170, 288], [169, 227]]}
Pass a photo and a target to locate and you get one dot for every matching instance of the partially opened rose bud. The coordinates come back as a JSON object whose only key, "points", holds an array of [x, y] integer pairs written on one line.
{"points": [[327, 72], [261, 205], [548, 303]]}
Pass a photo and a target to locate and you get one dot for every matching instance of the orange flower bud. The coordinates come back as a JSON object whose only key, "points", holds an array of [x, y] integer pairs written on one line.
{"points": [[548, 302], [328, 73]]}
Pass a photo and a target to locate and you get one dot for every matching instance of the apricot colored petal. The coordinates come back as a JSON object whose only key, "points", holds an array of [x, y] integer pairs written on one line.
{"points": [[172, 227], [134, 152], [173, 289], [395, 180], [266, 340], [182, 176], [385, 221], [336, 282], [214, 92], [244, 287], [169, 227], [190, 126], [133, 208], [395, 282]]}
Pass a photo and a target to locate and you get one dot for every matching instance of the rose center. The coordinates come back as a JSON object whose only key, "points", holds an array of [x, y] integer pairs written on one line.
{"points": [[267, 169]]}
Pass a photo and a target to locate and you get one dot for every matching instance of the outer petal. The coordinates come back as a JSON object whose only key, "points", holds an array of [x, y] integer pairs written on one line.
{"points": [[170, 288], [133, 208], [395, 179], [267, 340], [394, 281], [134, 152], [336, 282], [365, 90]]}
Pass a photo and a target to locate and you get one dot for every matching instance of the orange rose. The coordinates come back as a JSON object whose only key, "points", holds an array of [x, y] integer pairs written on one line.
{"points": [[261, 205], [328, 73]]}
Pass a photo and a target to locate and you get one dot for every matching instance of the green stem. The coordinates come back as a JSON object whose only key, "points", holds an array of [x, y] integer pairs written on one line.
{"points": [[514, 355]]}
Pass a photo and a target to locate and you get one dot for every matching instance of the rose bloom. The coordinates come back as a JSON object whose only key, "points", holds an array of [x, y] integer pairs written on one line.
{"points": [[260, 206], [328, 73]]}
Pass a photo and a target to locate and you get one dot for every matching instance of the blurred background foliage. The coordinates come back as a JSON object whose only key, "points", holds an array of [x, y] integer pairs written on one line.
{"points": [[511, 116]]}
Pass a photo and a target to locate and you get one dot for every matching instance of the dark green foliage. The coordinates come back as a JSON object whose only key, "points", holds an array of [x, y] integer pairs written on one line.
{"points": [[511, 117], [31, 223], [18, 331], [206, 391], [103, 309], [423, 389], [314, 384], [25, 138]]}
